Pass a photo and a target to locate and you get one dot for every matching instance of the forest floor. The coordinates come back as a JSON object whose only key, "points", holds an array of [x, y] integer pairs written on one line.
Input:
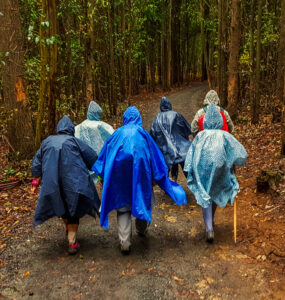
{"points": [[173, 261]]}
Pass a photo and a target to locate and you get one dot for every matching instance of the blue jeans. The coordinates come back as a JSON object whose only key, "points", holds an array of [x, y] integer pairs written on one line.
{"points": [[208, 215]]}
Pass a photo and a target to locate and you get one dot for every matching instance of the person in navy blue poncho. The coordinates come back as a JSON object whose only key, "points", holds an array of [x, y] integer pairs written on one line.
{"points": [[129, 163], [171, 131], [67, 190]]}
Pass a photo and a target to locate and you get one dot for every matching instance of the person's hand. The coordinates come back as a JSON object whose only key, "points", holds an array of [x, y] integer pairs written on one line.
{"points": [[35, 184]]}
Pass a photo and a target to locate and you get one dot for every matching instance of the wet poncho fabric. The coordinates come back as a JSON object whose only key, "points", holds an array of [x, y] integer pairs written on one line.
{"points": [[66, 187], [171, 132], [128, 163], [210, 160], [93, 131]]}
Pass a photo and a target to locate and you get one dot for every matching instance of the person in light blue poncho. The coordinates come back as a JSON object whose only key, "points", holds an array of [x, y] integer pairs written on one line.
{"points": [[129, 163], [93, 131], [210, 165]]}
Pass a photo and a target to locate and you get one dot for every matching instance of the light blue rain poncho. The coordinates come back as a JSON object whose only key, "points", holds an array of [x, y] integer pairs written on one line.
{"points": [[94, 132], [210, 160]]}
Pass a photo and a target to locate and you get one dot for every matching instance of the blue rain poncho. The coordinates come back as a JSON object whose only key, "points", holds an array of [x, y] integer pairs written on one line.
{"points": [[210, 160], [66, 187], [129, 162], [171, 132], [93, 131]]}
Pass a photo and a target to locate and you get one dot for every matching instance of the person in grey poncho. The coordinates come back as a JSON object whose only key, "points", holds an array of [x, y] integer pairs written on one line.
{"points": [[93, 131], [197, 123], [210, 165]]}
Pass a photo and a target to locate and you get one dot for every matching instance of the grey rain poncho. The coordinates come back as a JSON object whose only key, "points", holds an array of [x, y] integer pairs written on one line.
{"points": [[93, 131], [210, 160], [171, 132]]}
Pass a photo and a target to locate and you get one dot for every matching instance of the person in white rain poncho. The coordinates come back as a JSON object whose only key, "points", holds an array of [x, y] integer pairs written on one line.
{"points": [[210, 165], [93, 131]]}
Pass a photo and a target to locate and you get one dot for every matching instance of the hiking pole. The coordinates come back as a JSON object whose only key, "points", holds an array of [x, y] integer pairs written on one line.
{"points": [[235, 221]]}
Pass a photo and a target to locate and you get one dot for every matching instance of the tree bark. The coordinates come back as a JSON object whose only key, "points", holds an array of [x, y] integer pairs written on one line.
{"points": [[233, 93], [282, 61], [48, 83], [222, 51], [255, 116], [204, 45], [281, 54], [19, 125]]}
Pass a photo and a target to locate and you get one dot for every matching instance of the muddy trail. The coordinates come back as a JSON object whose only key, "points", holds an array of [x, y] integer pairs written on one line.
{"points": [[172, 262]]}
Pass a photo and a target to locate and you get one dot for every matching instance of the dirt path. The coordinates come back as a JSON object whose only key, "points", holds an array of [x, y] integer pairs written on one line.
{"points": [[172, 262]]}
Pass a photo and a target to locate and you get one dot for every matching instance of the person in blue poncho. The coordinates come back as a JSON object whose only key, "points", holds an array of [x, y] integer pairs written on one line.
{"points": [[129, 163], [93, 131], [210, 165], [67, 190], [171, 131]]}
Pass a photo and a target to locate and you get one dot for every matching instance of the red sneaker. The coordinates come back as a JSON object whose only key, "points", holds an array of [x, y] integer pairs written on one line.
{"points": [[73, 248]]}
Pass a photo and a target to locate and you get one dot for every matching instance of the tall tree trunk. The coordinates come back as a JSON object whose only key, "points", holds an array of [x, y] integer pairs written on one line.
{"points": [[281, 55], [255, 117], [233, 93], [222, 51], [204, 44], [48, 86], [124, 63], [19, 127], [282, 60], [251, 62], [169, 45], [113, 100]]}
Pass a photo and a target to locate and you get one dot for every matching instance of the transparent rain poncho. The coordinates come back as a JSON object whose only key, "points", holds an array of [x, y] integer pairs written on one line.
{"points": [[210, 160], [93, 131]]}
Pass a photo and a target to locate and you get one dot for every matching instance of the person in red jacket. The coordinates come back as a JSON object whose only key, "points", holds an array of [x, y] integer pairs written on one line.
{"points": [[197, 123]]}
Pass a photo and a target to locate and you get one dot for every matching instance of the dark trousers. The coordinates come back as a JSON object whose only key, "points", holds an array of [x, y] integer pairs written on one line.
{"points": [[174, 170]]}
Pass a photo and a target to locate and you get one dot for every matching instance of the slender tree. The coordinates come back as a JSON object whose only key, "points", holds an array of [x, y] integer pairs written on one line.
{"points": [[233, 93], [282, 61]]}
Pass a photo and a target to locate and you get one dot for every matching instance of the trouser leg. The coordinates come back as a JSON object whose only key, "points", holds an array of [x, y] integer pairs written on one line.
{"points": [[72, 224], [208, 217], [214, 207], [174, 172], [141, 226], [124, 228]]}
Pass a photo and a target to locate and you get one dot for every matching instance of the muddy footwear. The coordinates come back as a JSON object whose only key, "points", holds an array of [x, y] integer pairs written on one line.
{"points": [[125, 250], [141, 227], [73, 248], [210, 237]]}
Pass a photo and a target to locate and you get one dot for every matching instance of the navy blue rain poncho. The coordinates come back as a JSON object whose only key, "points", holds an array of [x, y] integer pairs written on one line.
{"points": [[129, 162], [210, 160], [171, 132], [63, 162]]}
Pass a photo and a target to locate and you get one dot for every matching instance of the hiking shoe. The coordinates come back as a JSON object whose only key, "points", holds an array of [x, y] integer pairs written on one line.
{"points": [[125, 250], [210, 237], [73, 248]]}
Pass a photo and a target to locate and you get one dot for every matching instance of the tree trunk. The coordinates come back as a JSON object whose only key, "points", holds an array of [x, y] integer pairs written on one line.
{"points": [[169, 45], [281, 55], [19, 126], [255, 117], [124, 63], [204, 45], [222, 51], [113, 100], [282, 60], [233, 93], [251, 62], [48, 84]]}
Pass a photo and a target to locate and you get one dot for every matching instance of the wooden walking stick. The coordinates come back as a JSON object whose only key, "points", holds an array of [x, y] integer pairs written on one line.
{"points": [[235, 221]]}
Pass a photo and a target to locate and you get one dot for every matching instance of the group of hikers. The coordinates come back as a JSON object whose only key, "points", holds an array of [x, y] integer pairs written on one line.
{"points": [[129, 161]]}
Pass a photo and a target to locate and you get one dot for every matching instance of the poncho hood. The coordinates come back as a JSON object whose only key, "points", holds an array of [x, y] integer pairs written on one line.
{"points": [[132, 116], [94, 111], [65, 126], [212, 97], [213, 119], [165, 104]]}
